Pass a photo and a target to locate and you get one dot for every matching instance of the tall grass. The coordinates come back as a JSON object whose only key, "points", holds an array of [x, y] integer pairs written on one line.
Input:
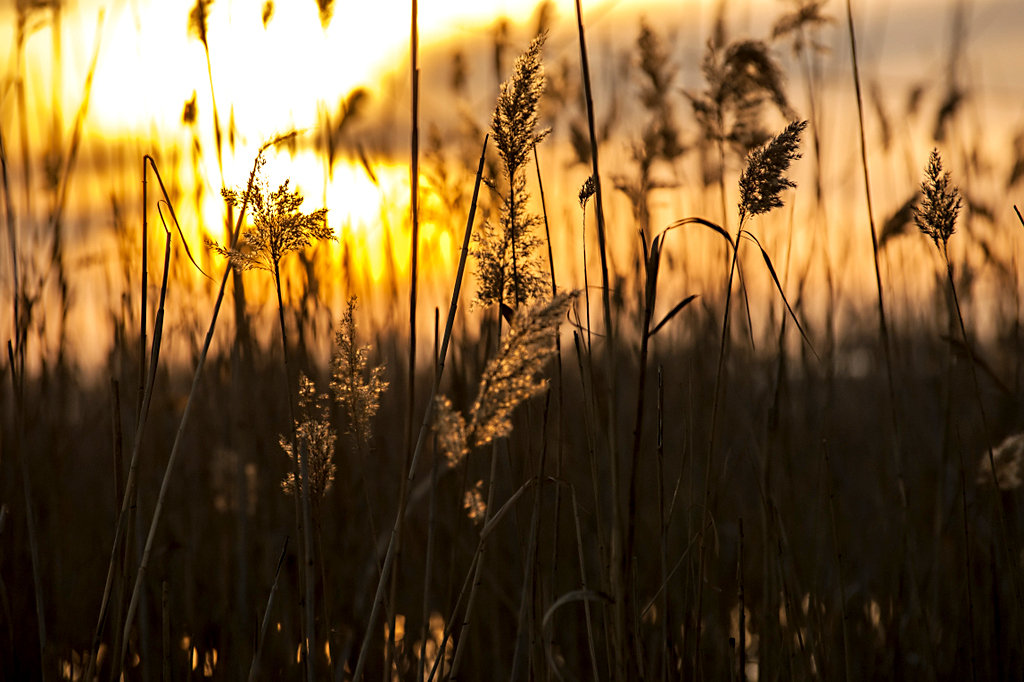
{"points": [[694, 495]]}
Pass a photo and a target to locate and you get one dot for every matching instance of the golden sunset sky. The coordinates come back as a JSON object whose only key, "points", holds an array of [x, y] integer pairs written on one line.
{"points": [[276, 74], [287, 73]]}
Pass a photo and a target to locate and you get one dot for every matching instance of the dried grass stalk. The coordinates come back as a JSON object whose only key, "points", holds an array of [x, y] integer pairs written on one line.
{"points": [[511, 378]]}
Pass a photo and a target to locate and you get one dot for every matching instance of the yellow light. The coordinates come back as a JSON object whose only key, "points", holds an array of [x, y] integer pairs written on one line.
{"points": [[209, 663]]}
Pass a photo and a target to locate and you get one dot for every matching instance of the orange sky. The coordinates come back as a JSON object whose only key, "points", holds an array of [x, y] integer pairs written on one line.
{"points": [[280, 76], [149, 66]]}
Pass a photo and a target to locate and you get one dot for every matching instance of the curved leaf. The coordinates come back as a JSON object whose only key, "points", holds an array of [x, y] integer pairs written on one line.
{"points": [[568, 597], [170, 207], [778, 286], [672, 313], [653, 262], [583, 595], [693, 220]]}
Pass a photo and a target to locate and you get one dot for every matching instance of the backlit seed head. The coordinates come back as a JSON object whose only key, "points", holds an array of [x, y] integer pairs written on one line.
{"points": [[937, 212]]}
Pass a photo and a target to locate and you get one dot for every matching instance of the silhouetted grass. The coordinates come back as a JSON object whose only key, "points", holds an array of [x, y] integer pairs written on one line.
{"points": [[552, 517]]}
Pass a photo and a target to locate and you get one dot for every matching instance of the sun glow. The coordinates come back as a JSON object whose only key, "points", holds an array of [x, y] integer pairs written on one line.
{"points": [[271, 73], [157, 89]]}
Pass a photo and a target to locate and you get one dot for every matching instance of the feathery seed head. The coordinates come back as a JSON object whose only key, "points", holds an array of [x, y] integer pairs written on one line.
{"points": [[514, 122], [279, 227], [326, 9], [588, 190], [805, 16], [763, 179], [508, 258], [936, 214], [509, 379], [1008, 458], [511, 376], [451, 431], [742, 77], [197, 20], [474, 504], [314, 435], [655, 65], [356, 388], [507, 253]]}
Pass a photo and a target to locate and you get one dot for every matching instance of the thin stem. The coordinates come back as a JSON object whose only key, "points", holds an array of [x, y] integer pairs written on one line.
{"points": [[461, 647], [389, 557], [143, 294], [897, 455], [12, 241], [67, 169], [743, 610], [641, 388], [217, 135], [561, 393], [967, 567], [178, 438], [302, 456], [972, 361], [30, 518], [839, 564], [254, 668], [414, 183], [621, 648], [882, 322], [715, 401], [662, 529], [431, 528]]}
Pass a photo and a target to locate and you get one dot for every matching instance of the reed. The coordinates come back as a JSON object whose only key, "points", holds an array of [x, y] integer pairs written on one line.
{"points": [[414, 203], [936, 216], [389, 556], [147, 381], [33, 533], [761, 184], [281, 228], [175, 448]]}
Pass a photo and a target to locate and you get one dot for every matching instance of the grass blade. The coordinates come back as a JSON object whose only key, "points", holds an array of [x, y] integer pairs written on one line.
{"points": [[672, 313], [778, 286], [389, 556]]}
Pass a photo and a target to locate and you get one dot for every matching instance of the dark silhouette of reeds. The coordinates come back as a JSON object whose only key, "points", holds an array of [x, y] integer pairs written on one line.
{"points": [[693, 495]]}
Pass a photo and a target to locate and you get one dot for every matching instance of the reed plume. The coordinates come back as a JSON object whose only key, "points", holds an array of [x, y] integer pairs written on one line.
{"points": [[939, 207], [660, 137], [762, 181], [508, 262], [741, 78], [357, 387], [511, 378], [315, 437], [326, 11], [805, 16], [279, 228], [587, 190], [197, 20], [1005, 468], [764, 177]]}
